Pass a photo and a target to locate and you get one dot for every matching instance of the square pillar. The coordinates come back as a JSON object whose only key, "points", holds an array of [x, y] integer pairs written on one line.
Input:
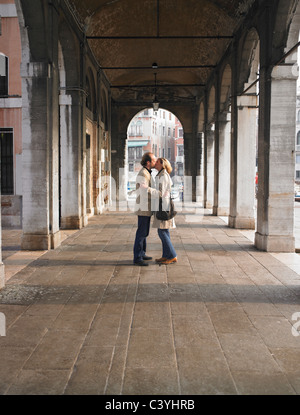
{"points": [[2, 275], [209, 173], [242, 212], [40, 155], [222, 207], [276, 164], [70, 138]]}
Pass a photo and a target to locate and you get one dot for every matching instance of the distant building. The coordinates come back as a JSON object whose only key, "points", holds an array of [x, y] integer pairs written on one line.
{"points": [[158, 132]]}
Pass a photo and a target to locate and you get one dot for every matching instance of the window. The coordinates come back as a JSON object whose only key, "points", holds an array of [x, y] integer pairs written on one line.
{"points": [[180, 150], [169, 132], [131, 153], [132, 129], [297, 158], [139, 128], [139, 152], [131, 167], [180, 169], [180, 132], [163, 131], [297, 174], [169, 153], [3, 75], [298, 117], [7, 161], [298, 138], [146, 112]]}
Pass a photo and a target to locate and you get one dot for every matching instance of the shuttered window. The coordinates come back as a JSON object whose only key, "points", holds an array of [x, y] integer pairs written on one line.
{"points": [[7, 161], [3, 75]]}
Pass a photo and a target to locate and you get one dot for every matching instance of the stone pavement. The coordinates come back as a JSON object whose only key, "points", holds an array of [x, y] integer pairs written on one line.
{"points": [[82, 319]]}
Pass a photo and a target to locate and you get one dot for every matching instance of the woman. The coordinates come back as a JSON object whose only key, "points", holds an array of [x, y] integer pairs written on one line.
{"points": [[163, 184]]}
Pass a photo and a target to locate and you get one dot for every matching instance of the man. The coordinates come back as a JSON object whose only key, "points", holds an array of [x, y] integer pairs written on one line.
{"points": [[143, 209]]}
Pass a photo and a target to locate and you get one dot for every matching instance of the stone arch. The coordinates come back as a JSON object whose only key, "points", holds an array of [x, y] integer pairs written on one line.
{"points": [[201, 118], [91, 98], [284, 33], [249, 64], [70, 52], [104, 108], [293, 36], [211, 105], [222, 186], [225, 90]]}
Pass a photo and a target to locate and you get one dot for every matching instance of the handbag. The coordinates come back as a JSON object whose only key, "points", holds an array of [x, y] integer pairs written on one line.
{"points": [[166, 214]]}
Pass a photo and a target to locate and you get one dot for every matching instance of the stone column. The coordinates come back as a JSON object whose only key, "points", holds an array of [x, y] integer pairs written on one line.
{"points": [[118, 148], [192, 158], [40, 152], [189, 167], [209, 180], [2, 274], [276, 145], [242, 213], [200, 171], [216, 164], [224, 165], [70, 139]]}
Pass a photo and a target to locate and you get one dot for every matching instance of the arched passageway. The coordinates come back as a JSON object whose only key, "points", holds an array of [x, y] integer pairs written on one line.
{"points": [[161, 133]]}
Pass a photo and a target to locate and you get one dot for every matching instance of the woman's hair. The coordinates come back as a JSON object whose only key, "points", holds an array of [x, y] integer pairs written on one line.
{"points": [[166, 164], [146, 157]]}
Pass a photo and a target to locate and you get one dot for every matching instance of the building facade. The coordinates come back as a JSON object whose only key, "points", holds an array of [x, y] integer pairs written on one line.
{"points": [[10, 116]]}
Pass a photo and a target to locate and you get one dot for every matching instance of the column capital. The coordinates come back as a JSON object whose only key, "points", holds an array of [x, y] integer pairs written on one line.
{"points": [[35, 69], [247, 101], [287, 71], [224, 117]]}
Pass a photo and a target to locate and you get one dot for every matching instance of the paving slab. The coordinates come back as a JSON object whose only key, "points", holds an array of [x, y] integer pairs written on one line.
{"points": [[82, 319]]}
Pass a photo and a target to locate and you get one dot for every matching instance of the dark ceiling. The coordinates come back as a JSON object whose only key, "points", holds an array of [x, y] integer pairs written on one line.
{"points": [[186, 38]]}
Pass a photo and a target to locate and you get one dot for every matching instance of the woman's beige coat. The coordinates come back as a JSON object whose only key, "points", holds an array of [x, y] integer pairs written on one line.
{"points": [[163, 179]]}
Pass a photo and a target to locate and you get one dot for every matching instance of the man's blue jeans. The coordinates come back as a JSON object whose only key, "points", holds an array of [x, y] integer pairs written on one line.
{"points": [[140, 244], [168, 249]]}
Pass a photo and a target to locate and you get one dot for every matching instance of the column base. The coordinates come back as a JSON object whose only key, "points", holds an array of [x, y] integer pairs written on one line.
{"points": [[71, 222], [33, 242], [90, 212], [208, 205], [2, 275], [55, 240], [274, 243], [220, 211], [239, 222]]}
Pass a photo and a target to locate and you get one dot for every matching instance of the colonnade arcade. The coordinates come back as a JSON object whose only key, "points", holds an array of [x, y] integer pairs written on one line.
{"points": [[74, 130]]}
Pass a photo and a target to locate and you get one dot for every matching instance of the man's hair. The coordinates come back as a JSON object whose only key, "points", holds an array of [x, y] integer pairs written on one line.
{"points": [[146, 157]]}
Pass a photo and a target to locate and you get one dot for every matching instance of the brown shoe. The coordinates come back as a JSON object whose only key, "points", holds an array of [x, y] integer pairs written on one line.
{"points": [[169, 261], [161, 259]]}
